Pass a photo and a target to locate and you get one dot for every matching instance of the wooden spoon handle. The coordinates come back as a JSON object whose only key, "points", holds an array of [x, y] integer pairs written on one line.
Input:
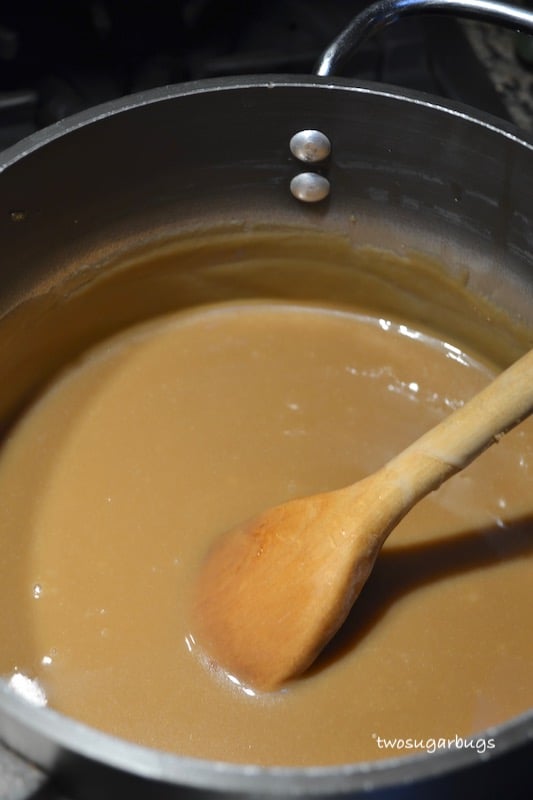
{"points": [[464, 434]]}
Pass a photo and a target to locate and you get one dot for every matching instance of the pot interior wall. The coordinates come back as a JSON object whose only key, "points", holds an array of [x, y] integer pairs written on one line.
{"points": [[405, 175], [52, 327]]}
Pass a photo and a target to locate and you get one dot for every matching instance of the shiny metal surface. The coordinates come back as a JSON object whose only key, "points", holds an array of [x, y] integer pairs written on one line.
{"points": [[310, 187], [310, 146], [383, 13]]}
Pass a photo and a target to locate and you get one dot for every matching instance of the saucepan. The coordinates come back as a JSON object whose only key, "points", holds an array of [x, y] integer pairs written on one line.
{"points": [[373, 163]]}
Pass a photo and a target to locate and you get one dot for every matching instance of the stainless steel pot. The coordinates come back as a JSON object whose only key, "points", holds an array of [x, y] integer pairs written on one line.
{"points": [[439, 177]]}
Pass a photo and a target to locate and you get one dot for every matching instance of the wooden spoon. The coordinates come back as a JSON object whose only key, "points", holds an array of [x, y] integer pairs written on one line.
{"points": [[272, 592]]}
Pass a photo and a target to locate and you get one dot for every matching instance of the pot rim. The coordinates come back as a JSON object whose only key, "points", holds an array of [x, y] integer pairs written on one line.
{"points": [[73, 738], [40, 138], [68, 736]]}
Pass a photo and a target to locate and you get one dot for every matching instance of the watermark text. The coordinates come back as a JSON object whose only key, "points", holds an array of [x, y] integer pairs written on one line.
{"points": [[432, 744]]}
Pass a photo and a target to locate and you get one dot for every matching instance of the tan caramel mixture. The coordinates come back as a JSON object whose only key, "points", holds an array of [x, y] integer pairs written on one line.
{"points": [[116, 482]]}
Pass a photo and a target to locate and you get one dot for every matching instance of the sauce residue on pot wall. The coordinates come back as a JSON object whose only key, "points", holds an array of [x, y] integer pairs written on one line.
{"points": [[121, 476], [92, 301]]}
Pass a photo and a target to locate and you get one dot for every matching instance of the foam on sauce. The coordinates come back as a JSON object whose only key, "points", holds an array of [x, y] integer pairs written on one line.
{"points": [[157, 441]]}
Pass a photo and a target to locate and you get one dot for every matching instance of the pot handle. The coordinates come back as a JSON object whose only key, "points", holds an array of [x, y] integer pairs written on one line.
{"points": [[383, 13]]}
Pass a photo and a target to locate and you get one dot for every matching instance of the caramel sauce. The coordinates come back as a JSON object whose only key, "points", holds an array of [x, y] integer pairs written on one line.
{"points": [[119, 478]]}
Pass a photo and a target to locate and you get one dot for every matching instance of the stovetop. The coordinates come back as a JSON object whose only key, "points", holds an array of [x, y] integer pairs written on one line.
{"points": [[60, 57]]}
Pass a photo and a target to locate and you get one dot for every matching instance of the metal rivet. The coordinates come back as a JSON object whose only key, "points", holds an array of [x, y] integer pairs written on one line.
{"points": [[310, 146], [309, 187]]}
